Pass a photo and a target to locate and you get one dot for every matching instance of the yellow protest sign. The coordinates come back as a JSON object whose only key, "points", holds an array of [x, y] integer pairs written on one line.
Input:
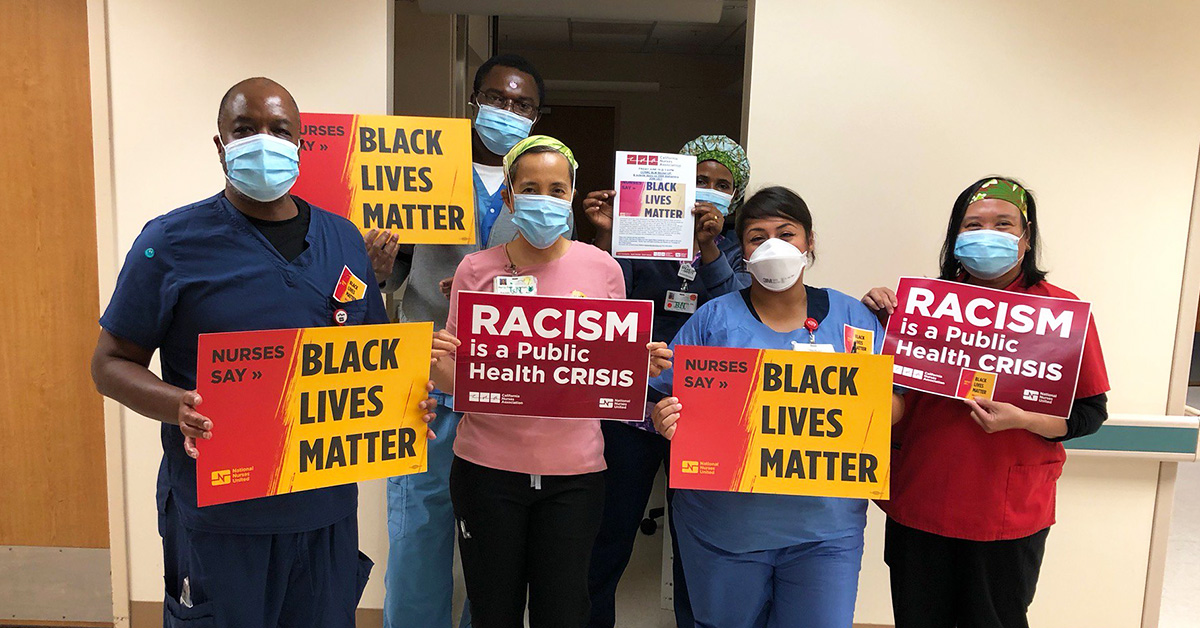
{"points": [[298, 409], [409, 175], [783, 422]]}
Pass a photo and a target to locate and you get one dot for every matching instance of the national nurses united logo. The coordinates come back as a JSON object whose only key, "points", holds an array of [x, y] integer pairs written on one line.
{"points": [[225, 477], [696, 467]]}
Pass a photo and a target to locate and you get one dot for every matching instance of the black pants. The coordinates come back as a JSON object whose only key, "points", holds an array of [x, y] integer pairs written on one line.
{"points": [[633, 457], [525, 537], [940, 582]]}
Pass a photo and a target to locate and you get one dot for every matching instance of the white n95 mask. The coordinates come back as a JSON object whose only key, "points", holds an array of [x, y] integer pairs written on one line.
{"points": [[777, 265]]}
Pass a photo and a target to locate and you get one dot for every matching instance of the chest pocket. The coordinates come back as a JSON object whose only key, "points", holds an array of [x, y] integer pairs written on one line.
{"points": [[356, 311]]}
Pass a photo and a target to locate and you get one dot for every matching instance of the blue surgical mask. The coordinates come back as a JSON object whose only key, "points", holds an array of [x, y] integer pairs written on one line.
{"points": [[987, 254], [501, 129], [720, 200], [541, 219], [263, 167]]}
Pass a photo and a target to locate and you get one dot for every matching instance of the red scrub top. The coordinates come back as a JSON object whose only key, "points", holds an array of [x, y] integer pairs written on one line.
{"points": [[951, 478]]}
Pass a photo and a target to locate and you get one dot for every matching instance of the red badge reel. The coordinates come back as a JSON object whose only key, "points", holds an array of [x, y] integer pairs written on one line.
{"points": [[811, 325]]}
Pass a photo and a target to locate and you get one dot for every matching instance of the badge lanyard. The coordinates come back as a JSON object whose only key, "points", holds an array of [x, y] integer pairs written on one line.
{"points": [[514, 283], [687, 270], [687, 273]]}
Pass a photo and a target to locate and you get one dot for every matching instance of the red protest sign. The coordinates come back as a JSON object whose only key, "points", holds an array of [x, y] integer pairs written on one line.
{"points": [[958, 340], [554, 357]]}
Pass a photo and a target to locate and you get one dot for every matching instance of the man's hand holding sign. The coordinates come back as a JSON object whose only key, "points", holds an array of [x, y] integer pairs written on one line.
{"points": [[297, 409]]}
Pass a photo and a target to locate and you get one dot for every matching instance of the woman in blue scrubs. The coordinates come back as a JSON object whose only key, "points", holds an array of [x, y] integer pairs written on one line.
{"points": [[757, 560]]}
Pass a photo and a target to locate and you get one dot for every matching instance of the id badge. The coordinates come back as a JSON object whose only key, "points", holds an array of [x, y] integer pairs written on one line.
{"points": [[806, 346], [519, 285], [687, 271], [681, 301]]}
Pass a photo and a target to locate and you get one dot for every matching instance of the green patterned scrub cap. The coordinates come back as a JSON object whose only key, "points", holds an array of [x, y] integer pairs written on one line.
{"points": [[537, 140], [725, 151], [1004, 190]]}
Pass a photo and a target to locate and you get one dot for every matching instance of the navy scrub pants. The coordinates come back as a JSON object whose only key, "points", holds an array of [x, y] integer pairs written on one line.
{"points": [[808, 585], [633, 457], [302, 579]]}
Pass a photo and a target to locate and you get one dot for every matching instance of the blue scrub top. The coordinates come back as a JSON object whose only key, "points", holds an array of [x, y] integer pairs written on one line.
{"points": [[487, 208], [204, 268], [747, 522]]}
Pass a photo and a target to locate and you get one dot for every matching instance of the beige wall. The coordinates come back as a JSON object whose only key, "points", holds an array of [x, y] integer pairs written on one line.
{"points": [[423, 52], [169, 64], [879, 113], [697, 94]]}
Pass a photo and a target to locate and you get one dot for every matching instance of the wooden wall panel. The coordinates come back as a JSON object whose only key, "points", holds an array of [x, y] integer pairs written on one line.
{"points": [[53, 489]]}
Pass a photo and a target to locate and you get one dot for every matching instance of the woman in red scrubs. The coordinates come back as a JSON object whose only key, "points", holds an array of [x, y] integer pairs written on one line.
{"points": [[973, 482]]}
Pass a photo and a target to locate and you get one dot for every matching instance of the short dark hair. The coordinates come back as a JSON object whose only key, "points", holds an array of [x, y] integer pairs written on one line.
{"points": [[774, 202], [516, 62], [1030, 272], [512, 170]]}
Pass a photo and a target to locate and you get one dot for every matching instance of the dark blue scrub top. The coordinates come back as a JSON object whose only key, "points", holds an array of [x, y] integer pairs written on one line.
{"points": [[651, 279], [204, 268]]}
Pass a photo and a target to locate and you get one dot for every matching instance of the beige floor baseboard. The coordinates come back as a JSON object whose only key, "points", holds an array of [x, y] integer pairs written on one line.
{"points": [[149, 615]]}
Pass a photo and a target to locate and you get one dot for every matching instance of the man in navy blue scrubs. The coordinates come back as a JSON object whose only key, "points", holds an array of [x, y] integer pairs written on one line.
{"points": [[251, 257]]}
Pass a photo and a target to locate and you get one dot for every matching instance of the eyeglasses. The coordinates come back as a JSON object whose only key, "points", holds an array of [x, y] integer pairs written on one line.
{"points": [[522, 108]]}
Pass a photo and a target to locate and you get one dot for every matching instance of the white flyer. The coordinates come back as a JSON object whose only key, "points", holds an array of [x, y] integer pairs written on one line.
{"points": [[652, 212]]}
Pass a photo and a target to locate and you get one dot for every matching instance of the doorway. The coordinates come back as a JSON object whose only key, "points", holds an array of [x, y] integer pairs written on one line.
{"points": [[632, 85], [591, 132]]}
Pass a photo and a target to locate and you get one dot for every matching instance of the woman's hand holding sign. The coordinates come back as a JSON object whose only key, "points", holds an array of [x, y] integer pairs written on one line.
{"points": [[193, 424], [442, 360], [444, 345], [597, 206], [709, 223], [882, 301], [665, 414], [660, 358], [997, 416], [429, 405]]}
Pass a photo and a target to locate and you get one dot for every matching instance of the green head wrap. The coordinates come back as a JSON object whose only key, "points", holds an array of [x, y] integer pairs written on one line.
{"points": [[728, 153], [1004, 190], [532, 141]]}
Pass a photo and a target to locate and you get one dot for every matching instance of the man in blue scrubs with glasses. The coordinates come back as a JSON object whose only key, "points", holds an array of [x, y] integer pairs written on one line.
{"points": [[506, 102], [250, 257]]}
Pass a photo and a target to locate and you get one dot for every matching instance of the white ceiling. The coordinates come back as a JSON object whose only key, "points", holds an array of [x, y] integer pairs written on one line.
{"points": [[727, 37]]}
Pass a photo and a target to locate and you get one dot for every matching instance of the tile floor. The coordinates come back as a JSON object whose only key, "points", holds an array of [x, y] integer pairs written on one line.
{"points": [[1181, 586]]}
